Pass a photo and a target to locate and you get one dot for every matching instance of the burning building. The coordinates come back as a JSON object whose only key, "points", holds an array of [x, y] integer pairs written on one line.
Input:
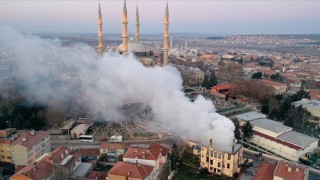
{"points": [[221, 162]]}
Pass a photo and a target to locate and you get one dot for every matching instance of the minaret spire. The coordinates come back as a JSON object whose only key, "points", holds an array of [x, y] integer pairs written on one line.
{"points": [[166, 36], [124, 28], [137, 25], [100, 33]]}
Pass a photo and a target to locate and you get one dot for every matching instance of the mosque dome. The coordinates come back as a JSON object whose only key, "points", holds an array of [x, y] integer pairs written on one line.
{"points": [[133, 47]]}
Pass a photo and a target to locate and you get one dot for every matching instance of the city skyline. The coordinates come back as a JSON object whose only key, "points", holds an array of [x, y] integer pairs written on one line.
{"points": [[211, 17]]}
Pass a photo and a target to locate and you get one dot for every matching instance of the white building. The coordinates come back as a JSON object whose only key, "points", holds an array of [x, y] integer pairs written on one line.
{"points": [[313, 106], [249, 116], [79, 130], [281, 140]]}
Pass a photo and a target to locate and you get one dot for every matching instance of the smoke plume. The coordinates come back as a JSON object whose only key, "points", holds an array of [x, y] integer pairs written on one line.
{"points": [[55, 75]]}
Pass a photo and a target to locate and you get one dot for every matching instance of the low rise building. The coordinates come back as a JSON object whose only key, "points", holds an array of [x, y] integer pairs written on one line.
{"points": [[313, 106], [283, 170], [131, 171], [6, 137], [281, 140], [222, 162], [62, 163], [190, 75], [112, 151], [80, 129], [279, 88], [249, 116], [29, 146]]}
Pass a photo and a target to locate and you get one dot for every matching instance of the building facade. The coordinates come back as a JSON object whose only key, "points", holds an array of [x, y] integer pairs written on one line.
{"points": [[29, 146], [222, 162]]}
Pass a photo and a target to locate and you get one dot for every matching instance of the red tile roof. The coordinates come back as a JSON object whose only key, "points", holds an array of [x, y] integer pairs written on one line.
{"points": [[272, 83], [131, 170], [28, 140], [222, 87], [38, 170], [293, 146], [89, 152], [20, 177], [164, 150], [265, 172], [297, 173], [97, 175], [60, 153], [142, 153], [113, 146]]}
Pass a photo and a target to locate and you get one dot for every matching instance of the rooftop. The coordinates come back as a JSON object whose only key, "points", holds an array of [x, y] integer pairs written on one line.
{"points": [[297, 138], [271, 125], [82, 170], [249, 116], [131, 170], [30, 138], [89, 151], [113, 146], [289, 171], [265, 172], [164, 150], [60, 153], [37, 170], [142, 153], [272, 83]]}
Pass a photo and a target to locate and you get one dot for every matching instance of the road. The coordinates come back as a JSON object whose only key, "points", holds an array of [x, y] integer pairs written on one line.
{"points": [[75, 144]]}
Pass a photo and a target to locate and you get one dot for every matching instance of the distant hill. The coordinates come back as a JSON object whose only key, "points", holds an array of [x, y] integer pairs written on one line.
{"points": [[215, 38]]}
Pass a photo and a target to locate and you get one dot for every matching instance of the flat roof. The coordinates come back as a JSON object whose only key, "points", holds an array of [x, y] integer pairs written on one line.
{"points": [[297, 138], [82, 170], [270, 125], [249, 116]]}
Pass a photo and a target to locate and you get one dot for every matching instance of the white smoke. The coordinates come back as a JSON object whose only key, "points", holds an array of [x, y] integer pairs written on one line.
{"points": [[53, 74]]}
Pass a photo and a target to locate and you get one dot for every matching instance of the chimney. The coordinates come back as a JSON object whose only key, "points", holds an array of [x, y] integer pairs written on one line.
{"points": [[66, 151], [233, 144], [129, 173], [289, 169], [32, 132], [135, 150], [61, 155], [210, 144], [24, 139], [297, 169], [143, 157]]}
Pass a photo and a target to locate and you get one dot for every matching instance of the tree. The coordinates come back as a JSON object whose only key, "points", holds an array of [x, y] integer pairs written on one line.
{"points": [[213, 78], [174, 157], [257, 75], [277, 77], [231, 72], [206, 82], [237, 133], [298, 116], [247, 130]]}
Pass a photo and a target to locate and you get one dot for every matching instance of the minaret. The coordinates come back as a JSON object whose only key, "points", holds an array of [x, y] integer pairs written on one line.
{"points": [[100, 33], [137, 25], [166, 36], [124, 28]]}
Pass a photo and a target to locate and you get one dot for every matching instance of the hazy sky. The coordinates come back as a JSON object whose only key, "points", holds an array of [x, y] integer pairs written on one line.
{"points": [[211, 16]]}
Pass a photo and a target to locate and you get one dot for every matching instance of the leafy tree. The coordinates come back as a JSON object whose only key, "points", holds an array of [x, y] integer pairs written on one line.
{"points": [[174, 157], [298, 116], [237, 133], [257, 75], [247, 130], [206, 82], [277, 77], [213, 78]]}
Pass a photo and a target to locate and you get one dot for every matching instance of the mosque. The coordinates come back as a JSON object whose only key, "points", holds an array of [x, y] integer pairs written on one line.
{"points": [[134, 46]]}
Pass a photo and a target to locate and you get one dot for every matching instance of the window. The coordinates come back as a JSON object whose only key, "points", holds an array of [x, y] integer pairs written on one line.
{"points": [[228, 165], [219, 156], [215, 155], [229, 156], [219, 164], [211, 162]]}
